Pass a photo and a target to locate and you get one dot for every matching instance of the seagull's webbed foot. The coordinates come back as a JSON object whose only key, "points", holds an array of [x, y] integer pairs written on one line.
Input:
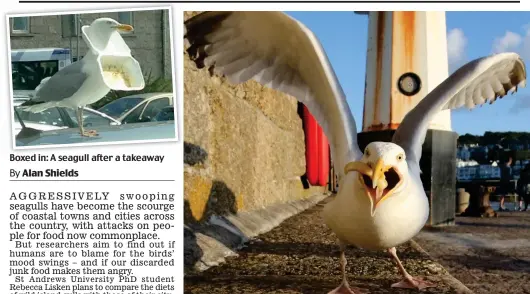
{"points": [[89, 133], [410, 282], [344, 288]]}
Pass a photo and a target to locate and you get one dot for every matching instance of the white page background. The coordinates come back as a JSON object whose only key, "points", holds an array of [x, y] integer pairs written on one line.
{"points": [[170, 169]]}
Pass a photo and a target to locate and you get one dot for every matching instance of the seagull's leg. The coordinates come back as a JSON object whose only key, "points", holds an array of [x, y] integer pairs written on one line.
{"points": [[344, 287], [84, 133], [80, 120], [409, 282]]}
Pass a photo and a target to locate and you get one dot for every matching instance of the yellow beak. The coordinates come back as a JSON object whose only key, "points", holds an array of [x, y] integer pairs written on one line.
{"points": [[125, 27], [377, 176]]}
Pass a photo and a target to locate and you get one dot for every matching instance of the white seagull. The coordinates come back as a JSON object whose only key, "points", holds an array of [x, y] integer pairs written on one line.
{"points": [[83, 82], [380, 203]]}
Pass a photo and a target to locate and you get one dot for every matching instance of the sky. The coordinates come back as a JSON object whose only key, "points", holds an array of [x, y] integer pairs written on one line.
{"points": [[470, 35]]}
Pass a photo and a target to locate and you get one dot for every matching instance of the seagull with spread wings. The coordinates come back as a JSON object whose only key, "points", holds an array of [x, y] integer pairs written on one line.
{"points": [[381, 202]]}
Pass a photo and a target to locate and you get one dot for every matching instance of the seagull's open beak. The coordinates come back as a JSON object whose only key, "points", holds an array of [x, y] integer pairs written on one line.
{"points": [[124, 27], [379, 180]]}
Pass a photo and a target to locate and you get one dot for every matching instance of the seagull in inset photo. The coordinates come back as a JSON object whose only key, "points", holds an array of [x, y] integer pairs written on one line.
{"points": [[380, 203]]}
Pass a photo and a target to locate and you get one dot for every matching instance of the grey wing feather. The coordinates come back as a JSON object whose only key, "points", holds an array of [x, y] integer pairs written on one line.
{"points": [[63, 84], [479, 81], [281, 53]]}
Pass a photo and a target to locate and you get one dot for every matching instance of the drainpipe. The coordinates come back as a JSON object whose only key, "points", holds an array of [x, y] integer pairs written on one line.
{"points": [[77, 21], [164, 40], [71, 43]]}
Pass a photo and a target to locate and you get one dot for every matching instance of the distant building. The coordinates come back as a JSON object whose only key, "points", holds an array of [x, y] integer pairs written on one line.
{"points": [[472, 170], [466, 173], [149, 42], [482, 162], [463, 153]]}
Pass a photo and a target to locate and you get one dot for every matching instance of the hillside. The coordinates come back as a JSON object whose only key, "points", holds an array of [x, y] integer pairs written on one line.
{"points": [[493, 138]]}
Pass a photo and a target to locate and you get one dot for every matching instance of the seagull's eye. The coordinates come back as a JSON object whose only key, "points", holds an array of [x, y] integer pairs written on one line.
{"points": [[367, 152], [109, 22], [400, 157]]}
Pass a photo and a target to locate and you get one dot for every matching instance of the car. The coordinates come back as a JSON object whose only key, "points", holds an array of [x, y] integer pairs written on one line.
{"points": [[106, 133], [20, 97], [59, 118], [23, 94], [138, 108]]}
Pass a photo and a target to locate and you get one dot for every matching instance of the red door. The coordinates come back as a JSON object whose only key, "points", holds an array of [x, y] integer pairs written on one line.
{"points": [[316, 152]]}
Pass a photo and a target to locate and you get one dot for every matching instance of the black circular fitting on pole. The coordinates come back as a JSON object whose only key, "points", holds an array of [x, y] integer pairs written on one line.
{"points": [[409, 84]]}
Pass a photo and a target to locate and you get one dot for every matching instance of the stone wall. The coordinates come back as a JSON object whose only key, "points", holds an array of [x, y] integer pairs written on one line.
{"points": [[244, 147], [251, 140], [150, 43]]}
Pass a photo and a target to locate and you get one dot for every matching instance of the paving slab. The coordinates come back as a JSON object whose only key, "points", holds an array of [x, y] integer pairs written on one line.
{"points": [[488, 255]]}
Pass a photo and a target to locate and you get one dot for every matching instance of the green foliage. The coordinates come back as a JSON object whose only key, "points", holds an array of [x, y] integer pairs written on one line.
{"points": [[468, 139], [492, 138], [152, 85]]}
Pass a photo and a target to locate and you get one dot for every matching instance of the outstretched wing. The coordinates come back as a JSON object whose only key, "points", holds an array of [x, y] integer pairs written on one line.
{"points": [[281, 53], [479, 81]]}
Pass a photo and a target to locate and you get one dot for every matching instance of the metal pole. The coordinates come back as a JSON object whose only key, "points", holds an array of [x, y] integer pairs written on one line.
{"points": [[70, 37], [164, 40], [77, 22]]}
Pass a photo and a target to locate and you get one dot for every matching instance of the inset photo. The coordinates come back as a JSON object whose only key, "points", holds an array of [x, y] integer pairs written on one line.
{"points": [[97, 77]]}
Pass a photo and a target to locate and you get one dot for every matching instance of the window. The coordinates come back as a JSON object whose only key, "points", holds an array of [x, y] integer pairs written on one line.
{"points": [[166, 114], [20, 25], [134, 116], [27, 75], [90, 119], [125, 17], [153, 108], [50, 116], [119, 107]]}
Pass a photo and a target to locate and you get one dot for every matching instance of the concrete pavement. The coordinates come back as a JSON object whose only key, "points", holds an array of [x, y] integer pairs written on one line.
{"points": [[489, 255], [301, 256]]}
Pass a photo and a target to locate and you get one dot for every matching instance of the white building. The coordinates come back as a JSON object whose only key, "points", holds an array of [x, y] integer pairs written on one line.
{"points": [[469, 170]]}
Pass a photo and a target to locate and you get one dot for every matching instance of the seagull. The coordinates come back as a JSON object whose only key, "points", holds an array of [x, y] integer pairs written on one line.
{"points": [[82, 82], [380, 202]]}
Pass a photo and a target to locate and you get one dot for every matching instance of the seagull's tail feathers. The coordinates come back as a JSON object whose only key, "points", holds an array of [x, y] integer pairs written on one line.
{"points": [[36, 106], [26, 132]]}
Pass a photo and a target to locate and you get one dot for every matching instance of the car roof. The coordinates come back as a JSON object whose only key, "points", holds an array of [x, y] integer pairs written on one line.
{"points": [[148, 95], [127, 132]]}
